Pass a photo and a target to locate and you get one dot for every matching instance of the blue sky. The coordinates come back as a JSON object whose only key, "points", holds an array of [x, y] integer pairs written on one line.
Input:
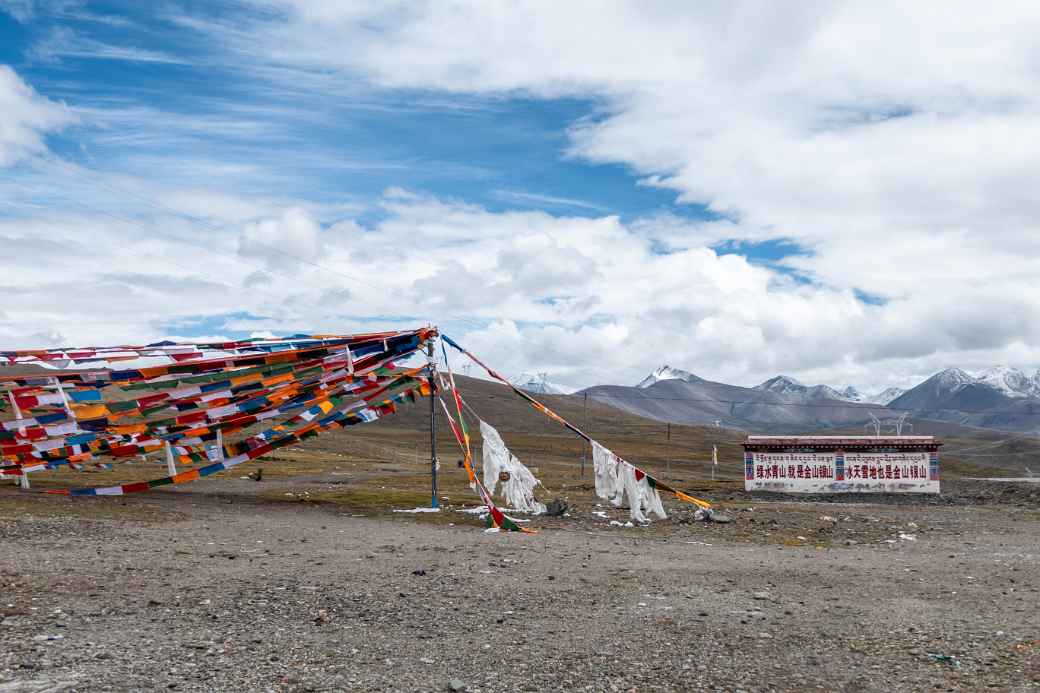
{"points": [[733, 190], [502, 151]]}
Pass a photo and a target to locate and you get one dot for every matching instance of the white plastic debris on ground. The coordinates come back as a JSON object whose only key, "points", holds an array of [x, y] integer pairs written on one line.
{"points": [[518, 490], [616, 478], [479, 510], [419, 510]]}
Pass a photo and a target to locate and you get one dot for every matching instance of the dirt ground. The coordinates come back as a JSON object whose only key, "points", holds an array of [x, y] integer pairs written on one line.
{"points": [[234, 585]]}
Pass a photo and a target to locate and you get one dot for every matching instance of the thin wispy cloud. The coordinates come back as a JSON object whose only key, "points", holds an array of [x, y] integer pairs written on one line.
{"points": [[64, 43], [538, 200]]}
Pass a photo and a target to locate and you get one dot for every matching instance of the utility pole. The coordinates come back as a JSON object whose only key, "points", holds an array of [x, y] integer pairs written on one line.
{"points": [[668, 452], [433, 430], [584, 427]]}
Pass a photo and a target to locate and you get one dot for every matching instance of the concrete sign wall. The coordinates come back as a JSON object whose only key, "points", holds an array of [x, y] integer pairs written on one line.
{"points": [[842, 471]]}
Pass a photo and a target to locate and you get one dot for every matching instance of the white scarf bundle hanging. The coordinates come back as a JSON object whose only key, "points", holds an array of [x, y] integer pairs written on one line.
{"points": [[616, 478], [501, 465]]}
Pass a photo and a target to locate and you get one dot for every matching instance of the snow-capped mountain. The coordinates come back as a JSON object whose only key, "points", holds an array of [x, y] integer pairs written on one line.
{"points": [[952, 378], [1000, 397], [781, 384], [786, 385], [1000, 381], [1010, 381], [539, 385], [667, 373], [885, 396], [851, 394]]}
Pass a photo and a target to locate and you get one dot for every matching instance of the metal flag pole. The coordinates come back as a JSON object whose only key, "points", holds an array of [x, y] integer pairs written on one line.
{"points": [[23, 479], [171, 467], [433, 429], [585, 425], [14, 405]]}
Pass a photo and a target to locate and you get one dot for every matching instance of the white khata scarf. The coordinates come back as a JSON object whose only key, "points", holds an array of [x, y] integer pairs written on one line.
{"points": [[616, 478], [518, 486]]}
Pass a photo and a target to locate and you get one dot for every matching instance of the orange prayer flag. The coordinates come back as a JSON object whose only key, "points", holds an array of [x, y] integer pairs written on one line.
{"points": [[89, 411], [185, 477]]}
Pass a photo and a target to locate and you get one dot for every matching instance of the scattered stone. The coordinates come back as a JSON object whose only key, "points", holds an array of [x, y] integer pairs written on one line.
{"points": [[762, 596], [557, 507], [456, 685]]}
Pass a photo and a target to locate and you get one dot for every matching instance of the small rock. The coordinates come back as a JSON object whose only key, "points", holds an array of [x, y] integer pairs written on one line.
{"points": [[762, 596], [556, 507], [720, 518], [456, 685]]}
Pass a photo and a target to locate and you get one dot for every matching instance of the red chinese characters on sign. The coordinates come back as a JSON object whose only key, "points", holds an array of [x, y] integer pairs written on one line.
{"points": [[794, 471], [793, 465], [896, 466]]}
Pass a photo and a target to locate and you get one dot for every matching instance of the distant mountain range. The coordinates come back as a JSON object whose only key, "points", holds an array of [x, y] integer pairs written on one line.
{"points": [[779, 404], [1001, 397]]}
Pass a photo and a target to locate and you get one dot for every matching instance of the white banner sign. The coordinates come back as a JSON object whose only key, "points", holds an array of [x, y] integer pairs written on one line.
{"points": [[842, 472]]}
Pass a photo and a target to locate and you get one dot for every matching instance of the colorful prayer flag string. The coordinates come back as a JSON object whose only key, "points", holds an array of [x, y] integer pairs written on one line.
{"points": [[639, 473], [319, 381]]}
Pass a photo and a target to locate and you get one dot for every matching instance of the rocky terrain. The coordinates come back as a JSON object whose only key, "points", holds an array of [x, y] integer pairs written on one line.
{"points": [[237, 586]]}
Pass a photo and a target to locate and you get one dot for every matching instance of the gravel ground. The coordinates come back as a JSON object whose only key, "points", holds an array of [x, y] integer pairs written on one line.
{"points": [[192, 591]]}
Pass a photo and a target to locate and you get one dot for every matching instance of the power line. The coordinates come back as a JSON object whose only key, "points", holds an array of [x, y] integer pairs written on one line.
{"points": [[994, 444], [1035, 453]]}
